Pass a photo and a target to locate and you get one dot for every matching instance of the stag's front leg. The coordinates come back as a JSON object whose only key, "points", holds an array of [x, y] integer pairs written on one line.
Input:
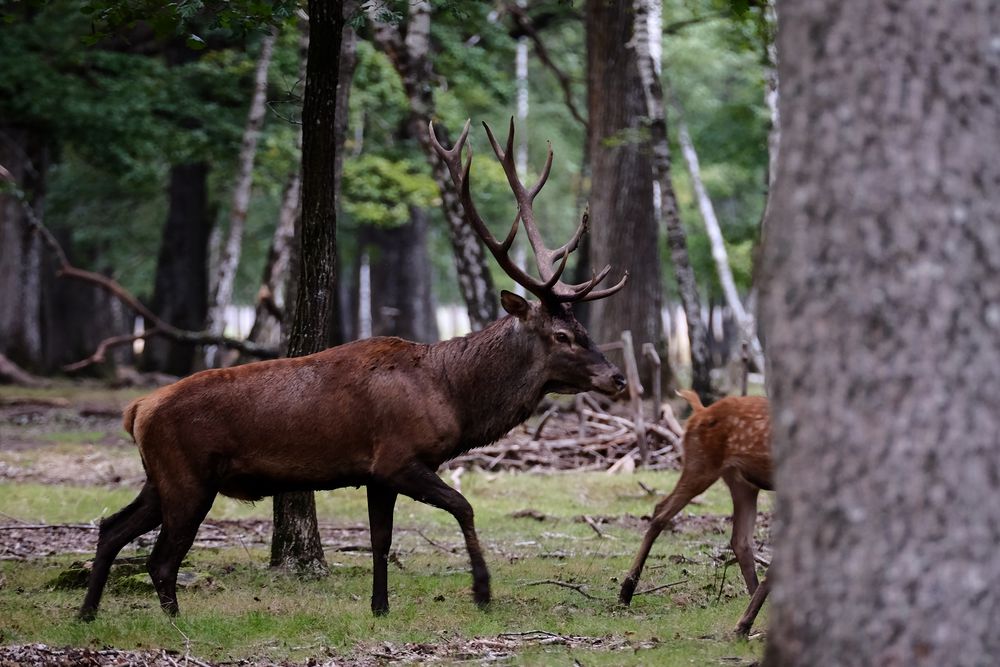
{"points": [[423, 485], [381, 502]]}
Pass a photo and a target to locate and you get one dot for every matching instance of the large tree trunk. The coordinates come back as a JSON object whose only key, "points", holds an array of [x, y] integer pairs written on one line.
{"points": [[229, 260], [623, 228], [655, 111], [181, 291], [296, 543], [882, 307], [25, 157], [411, 58], [401, 300]]}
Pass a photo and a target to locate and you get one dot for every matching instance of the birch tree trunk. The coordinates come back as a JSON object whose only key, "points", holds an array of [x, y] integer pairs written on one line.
{"points": [[882, 307], [745, 321], [687, 286], [296, 542], [411, 59], [229, 259]]}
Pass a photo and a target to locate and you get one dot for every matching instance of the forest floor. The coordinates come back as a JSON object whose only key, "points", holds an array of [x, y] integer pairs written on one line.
{"points": [[557, 543]]}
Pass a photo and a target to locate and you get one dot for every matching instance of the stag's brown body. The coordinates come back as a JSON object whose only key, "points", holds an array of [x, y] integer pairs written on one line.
{"points": [[730, 439], [345, 416], [383, 413]]}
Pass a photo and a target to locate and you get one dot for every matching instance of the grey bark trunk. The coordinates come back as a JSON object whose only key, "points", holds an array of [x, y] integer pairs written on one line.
{"points": [[225, 277], [687, 286], [882, 308], [623, 228]]}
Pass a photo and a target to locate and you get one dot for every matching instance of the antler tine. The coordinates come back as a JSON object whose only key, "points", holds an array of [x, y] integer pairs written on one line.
{"points": [[574, 241], [509, 241], [544, 177], [600, 294]]}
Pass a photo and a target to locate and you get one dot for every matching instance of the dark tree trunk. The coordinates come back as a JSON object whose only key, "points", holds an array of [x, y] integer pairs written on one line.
{"points": [[402, 303], [882, 305], [23, 153], [180, 295], [296, 543], [623, 228]]}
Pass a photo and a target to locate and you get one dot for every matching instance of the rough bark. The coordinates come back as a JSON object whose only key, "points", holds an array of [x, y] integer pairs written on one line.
{"points": [[296, 543], [25, 158], [225, 276], [411, 59], [623, 228], [180, 295], [687, 286], [882, 307]]}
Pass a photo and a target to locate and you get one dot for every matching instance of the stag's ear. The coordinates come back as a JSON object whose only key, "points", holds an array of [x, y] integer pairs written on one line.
{"points": [[514, 304]]}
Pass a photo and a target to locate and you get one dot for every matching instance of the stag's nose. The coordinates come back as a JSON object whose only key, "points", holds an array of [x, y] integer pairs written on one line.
{"points": [[619, 382]]}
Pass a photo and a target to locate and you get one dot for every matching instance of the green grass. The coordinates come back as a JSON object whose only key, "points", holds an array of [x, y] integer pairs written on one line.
{"points": [[252, 611]]}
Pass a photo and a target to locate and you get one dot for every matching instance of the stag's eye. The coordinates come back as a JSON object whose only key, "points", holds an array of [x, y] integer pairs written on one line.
{"points": [[562, 337]]}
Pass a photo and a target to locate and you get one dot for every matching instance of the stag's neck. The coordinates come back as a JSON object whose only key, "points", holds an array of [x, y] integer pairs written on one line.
{"points": [[493, 378]]}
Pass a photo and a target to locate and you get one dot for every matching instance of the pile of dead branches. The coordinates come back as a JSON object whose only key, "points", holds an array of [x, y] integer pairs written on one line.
{"points": [[585, 437]]}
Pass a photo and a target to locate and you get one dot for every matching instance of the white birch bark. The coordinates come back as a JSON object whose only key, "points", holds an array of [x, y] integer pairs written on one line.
{"points": [[229, 258], [744, 319]]}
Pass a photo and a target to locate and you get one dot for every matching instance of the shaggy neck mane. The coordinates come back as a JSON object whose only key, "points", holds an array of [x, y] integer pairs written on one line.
{"points": [[490, 376]]}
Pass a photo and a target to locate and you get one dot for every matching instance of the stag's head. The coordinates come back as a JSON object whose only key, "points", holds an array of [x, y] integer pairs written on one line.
{"points": [[569, 359]]}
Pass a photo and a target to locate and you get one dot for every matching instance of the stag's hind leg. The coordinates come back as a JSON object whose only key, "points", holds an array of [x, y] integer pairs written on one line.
{"points": [[423, 485], [381, 502], [139, 517], [180, 525], [691, 484], [744, 519]]}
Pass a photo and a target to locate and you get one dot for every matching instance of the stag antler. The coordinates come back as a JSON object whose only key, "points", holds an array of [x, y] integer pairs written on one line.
{"points": [[547, 286]]}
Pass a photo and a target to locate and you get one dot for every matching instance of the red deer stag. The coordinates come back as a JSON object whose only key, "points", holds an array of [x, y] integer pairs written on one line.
{"points": [[730, 439], [382, 412]]}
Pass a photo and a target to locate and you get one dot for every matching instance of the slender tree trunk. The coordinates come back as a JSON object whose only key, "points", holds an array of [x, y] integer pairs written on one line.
{"points": [[24, 155], [229, 260], [687, 286], [882, 307], [411, 58], [296, 543], [745, 321], [623, 228]]}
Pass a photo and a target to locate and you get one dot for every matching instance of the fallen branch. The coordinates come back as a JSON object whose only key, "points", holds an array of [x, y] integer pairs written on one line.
{"points": [[9, 371], [159, 326], [579, 588], [661, 587]]}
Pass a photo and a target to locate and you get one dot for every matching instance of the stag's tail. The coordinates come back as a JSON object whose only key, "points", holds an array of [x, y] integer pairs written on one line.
{"points": [[128, 416], [691, 398]]}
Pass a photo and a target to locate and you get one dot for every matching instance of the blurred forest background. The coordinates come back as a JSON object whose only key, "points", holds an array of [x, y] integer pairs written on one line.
{"points": [[160, 145]]}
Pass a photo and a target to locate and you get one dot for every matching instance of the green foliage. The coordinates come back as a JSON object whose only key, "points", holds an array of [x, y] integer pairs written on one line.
{"points": [[379, 191]]}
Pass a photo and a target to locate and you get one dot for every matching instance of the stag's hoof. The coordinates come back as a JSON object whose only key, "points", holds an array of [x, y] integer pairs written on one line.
{"points": [[87, 614], [380, 609], [625, 594], [481, 597]]}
